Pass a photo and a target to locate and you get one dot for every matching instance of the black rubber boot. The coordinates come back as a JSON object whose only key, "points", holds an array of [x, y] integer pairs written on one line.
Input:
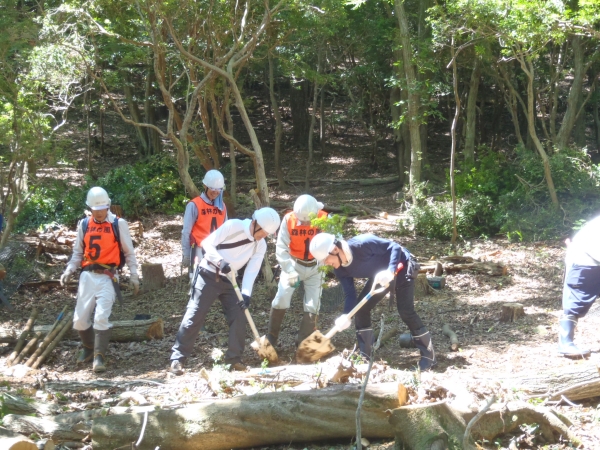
{"points": [[87, 341], [307, 326], [100, 348], [275, 320], [566, 333], [422, 340], [365, 342]]}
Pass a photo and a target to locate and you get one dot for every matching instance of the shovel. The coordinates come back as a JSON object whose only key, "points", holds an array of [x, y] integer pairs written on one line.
{"points": [[315, 346], [261, 344]]}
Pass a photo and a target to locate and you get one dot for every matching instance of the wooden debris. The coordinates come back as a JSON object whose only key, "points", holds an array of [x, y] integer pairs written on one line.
{"points": [[28, 348], [452, 336], [511, 312], [48, 339], [64, 329], [124, 330]]}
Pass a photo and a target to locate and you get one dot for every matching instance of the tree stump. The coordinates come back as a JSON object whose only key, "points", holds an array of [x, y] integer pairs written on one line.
{"points": [[422, 287], [511, 312], [154, 277]]}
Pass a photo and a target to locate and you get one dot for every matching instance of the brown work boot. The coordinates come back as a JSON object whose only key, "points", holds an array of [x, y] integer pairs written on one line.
{"points": [[100, 348], [87, 342], [307, 326], [275, 320]]}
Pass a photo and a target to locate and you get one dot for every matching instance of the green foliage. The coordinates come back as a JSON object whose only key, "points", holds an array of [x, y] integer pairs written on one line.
{"points": [[148, 185], [509, 195], [333, 224], [151, 185]]}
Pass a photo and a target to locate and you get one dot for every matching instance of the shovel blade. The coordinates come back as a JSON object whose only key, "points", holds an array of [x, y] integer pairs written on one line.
{"points": [[265, 350], [313, 348]]}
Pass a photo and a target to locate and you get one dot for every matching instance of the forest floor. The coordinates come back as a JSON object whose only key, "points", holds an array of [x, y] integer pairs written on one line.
{"points": [[469, 302]]}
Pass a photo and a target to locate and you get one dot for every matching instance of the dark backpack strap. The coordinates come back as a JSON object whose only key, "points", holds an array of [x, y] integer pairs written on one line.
{"points": [[234, 244], [116, 231], [84, 224]]}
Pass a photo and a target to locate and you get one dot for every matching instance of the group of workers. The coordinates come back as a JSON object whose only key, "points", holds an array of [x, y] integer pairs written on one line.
{"points": [[215, 248]]}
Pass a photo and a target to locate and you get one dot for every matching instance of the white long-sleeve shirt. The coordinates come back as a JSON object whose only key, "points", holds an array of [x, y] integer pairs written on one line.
{"points": [[251, 253], [584, 249], [282, 248], [126, 245]]}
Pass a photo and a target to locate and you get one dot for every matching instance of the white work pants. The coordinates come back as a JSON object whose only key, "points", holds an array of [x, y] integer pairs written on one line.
{"points": [[312, 279], [95, 290]]}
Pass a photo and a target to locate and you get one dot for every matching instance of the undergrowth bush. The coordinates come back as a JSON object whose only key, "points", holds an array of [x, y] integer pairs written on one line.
{"points": [[508, 194], [151, 185]]}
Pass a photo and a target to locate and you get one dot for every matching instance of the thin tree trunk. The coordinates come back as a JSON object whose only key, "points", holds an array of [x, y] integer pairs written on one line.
{"points": [[134, 111], [575, 94], [230, 129], [597, 121], [153, 138], [528, 68], [313, 119], [469, 152], [322, 120], [278, 123], [413, 97], [453, 133]]}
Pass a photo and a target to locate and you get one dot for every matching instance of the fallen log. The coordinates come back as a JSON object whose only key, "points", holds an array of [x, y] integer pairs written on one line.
{"points": [[64, 330], [123, 330], [29, 347], [577, 382], [258, 420], [12, 404], [22, 337], [49, 338], [43, 427], [9, 440], [435, 426], [8, 336]]}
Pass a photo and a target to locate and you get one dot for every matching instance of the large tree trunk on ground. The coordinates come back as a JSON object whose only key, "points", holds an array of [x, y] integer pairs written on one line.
{"points": [[259, 420], [434, 426]]}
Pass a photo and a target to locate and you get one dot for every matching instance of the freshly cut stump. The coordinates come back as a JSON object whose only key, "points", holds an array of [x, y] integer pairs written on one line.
{"points": [[511, 312], [154, 277]]}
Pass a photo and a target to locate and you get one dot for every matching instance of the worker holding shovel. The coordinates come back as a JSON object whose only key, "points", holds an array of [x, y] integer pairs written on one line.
{"points": [[382, 262], [229, 248], [297, 265]]}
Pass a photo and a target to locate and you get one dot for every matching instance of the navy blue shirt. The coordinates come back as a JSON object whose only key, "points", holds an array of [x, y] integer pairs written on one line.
{"points": [[370, 255]]}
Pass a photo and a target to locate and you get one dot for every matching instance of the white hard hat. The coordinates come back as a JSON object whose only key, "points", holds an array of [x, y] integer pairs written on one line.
{"points": [[321, 245], [214, 180], [268, 219], [306, 205], [97, 198]]}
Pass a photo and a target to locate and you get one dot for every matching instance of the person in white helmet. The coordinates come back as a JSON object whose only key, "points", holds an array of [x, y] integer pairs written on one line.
{"points": [[236, 244], [203, 215], [103, 246], [297, 264], [382, 262]]}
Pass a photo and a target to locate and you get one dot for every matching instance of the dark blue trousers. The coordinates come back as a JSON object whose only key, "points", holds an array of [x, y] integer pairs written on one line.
{"points": [[582, 286]]}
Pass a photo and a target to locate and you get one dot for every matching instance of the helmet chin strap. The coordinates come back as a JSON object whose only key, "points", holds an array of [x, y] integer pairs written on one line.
{"points": [[338, 244], [254, 231]]}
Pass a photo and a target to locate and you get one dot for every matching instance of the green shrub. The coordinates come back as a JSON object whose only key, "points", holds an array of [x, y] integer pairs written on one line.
{"points": [[508, 194]]}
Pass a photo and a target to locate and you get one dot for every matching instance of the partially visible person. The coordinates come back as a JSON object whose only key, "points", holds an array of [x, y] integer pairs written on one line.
{"points": [[581, 285], [236, 244], [103, 241], [203, 215], [382, 262], [297, 265]]}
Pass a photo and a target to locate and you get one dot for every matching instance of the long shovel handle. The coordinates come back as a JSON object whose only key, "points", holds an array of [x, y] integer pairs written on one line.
{"points": [[231, 276], [360, 304]]}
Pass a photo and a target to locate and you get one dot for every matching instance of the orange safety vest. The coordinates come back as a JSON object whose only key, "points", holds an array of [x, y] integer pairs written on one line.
{"points": [[300, 236], [209, 219], [100, 245]]}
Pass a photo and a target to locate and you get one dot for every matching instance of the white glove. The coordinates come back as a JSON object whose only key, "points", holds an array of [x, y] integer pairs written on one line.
{"points": [[66, 276], [293, 278], [343, 322], [134, 283], [384, 278]]}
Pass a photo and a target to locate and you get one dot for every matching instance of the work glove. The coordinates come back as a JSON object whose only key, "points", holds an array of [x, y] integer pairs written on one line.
{"points": [[384, 278], [343, 322], [66, 276], [293, 278], [224, 267], [186, 261], [134, 283], [245, 302]]}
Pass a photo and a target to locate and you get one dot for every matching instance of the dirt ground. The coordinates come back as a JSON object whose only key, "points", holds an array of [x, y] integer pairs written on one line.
{"points": [[469, 303]]}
